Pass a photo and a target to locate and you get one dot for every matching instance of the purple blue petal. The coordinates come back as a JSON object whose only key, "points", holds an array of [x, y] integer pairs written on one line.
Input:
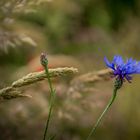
{"points": [[123, 70]]}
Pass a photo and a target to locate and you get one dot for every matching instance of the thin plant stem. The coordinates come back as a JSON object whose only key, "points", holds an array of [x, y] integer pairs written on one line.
{"points": [[52, 137], [52, 91], [103, 113]]}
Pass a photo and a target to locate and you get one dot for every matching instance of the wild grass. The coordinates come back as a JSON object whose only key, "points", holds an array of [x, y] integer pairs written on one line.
{"points": [[13, 91]]}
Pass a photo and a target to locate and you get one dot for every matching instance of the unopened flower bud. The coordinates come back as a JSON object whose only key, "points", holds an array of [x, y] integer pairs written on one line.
{"points": [[43, 59]]}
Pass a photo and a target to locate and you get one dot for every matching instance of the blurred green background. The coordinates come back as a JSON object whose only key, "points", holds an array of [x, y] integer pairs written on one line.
{"points": [[76, 33]]}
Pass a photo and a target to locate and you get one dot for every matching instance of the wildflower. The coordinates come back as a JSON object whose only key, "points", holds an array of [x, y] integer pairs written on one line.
{"points": [[123, 70], [44, 63]]}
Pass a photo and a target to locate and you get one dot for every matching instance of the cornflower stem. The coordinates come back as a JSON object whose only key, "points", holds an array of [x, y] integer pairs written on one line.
{"points": [[103, 113], [52, 97]]}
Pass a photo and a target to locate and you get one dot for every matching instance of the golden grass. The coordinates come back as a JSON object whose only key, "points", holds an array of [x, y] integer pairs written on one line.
{"points": [[13, 90]]}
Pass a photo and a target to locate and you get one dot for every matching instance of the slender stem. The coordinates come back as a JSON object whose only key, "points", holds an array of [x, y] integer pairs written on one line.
{"points": [[52, 91], [103, 113], [52, 137]]}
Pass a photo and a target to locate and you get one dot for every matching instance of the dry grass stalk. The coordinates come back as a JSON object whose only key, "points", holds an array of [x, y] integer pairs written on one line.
{"points": [[93, 77], [13, 90], [38, 76], [86, 80]]}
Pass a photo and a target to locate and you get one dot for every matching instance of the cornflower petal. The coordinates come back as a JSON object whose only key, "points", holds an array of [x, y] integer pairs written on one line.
{"points": [[108, 64], [118, 60]]}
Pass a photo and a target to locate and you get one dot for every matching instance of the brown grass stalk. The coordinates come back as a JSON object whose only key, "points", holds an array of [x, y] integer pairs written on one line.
{"points": [[13, 90]]}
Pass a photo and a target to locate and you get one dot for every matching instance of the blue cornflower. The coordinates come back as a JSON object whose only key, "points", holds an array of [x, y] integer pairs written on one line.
{"points": [[123, 70]]}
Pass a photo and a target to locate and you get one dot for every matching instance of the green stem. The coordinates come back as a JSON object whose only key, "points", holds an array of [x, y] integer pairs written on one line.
{"points": [[103, 113], [52, 91]]}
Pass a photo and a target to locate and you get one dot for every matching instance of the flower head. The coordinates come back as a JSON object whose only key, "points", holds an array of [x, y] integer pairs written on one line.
{"points": [[123, 70]]}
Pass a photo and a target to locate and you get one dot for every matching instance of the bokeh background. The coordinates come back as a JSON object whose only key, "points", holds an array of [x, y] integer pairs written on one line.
{"points": [[76, 33]]}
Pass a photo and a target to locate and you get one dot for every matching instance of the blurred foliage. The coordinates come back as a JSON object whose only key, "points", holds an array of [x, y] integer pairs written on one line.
{"points": [[86, 30], [66, 23]]}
